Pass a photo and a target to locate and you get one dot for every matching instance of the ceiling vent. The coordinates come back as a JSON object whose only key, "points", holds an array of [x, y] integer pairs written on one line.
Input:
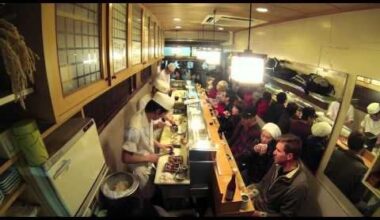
{"points": [[230, 21]]}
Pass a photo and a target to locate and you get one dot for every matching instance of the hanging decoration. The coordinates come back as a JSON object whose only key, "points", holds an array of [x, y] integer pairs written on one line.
{"points": [[19, 60]]}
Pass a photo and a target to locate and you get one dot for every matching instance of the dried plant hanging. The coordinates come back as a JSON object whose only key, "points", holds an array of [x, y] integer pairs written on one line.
{"points": [[19, 60]]}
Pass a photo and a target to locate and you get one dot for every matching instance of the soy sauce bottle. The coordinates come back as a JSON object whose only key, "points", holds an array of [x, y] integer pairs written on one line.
{"points": [[231, 187]]}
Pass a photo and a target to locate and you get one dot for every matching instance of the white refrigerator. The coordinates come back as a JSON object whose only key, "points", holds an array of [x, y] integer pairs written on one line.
{"points": [[69, 180]]}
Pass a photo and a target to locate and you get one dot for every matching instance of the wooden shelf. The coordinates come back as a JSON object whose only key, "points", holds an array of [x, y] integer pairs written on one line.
{"points": [[8, 163], [9, 199], [9, 98]]}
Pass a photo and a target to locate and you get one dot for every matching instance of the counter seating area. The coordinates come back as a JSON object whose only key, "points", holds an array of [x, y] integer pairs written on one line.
{"points": [[112, 139]]}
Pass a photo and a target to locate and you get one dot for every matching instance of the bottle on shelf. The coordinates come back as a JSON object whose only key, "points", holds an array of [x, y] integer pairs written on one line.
{"points": [[231, 187]]}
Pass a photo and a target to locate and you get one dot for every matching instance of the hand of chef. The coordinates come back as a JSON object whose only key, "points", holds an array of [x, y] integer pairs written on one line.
{"points": [[164, 146], [153, 158], [159, 124]]}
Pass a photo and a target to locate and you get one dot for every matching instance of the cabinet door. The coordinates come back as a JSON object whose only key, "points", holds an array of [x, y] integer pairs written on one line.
{"points": [[119, 37], [146, 37], [136, 34], [74, 50], [152, 25]]}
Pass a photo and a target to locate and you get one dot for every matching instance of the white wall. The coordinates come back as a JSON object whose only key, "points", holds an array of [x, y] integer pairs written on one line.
{"points": [[346, 42], [112, 136]]}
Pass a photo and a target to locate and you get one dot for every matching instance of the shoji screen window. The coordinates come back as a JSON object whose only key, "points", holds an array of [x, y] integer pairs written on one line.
{"points": [[119, 36], [78, 44], [136, 34], [146, 38], [155, 40], [151, 39]]}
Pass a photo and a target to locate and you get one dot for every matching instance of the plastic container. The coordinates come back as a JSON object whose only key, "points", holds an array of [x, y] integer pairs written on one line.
{"points": [[28, 139]]}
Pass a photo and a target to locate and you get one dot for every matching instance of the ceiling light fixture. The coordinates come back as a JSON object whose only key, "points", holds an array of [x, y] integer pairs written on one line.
{"points": [[220, 28], [178, 27], [246, 67], [177, 19], [262, 10]]}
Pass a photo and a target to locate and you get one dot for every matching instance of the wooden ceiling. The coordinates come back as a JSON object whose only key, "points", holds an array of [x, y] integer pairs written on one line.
{"points": [[192, 14]]}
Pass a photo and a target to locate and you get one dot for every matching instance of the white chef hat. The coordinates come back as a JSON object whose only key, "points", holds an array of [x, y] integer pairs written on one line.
{"points": [[164, 100], [272, 129], [171, 67], [321, 129], [161, 86], [373, 108]]}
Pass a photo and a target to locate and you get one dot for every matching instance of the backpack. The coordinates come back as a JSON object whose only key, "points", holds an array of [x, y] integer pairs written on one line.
{"points": [[275, 67], [320, 85]]}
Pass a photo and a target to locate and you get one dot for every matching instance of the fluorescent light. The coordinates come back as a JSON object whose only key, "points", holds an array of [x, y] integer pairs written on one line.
{"points": [[178, 27], [220, 28], [247, 69], [177, 19], [262, 10]]}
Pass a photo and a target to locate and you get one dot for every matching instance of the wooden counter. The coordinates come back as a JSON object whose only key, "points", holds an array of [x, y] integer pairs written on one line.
{"points": [[223, 169], [166, 178]]}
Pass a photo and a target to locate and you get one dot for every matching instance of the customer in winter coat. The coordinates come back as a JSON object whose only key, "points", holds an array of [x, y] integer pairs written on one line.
{"points": [[255, 164], [284, 187], [346, 168], [276, 108], [315, 145]]}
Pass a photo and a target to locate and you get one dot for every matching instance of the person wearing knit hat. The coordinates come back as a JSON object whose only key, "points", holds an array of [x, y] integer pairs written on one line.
{"points": [[138, 150], [371, 122], [259, 161], [321, 129], [315, 145]]}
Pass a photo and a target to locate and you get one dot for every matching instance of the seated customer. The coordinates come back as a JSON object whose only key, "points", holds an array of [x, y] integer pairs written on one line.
{"points": [[245, 132], [276, 108], [302, 128], [315, 145], [256, 163], [284, 187], [230, 120], [346, 168], [287, 116], [263, 103]]}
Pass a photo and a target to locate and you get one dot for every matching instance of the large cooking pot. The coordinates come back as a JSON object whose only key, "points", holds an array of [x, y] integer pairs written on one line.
{"points": [[118, 194]]}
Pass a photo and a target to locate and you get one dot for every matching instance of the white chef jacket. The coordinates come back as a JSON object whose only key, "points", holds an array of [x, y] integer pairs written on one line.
{"points": [[139, 140], [333, 109], [163, 76], [370, 125]]}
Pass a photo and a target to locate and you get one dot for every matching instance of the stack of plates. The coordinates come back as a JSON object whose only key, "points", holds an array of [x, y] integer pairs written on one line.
{"points": [[9, 180], [1, 197]]}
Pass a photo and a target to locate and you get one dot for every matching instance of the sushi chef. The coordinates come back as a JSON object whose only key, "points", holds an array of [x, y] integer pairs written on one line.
{"points": [[138, 148]]}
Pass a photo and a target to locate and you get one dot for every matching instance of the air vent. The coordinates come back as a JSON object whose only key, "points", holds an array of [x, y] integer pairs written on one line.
{"points": [[230, 21]]}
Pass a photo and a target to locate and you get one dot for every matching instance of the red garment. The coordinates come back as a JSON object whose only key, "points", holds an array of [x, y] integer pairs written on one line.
{"points": [[212, 93], [220, 108], [243, 138], [262, 107]]}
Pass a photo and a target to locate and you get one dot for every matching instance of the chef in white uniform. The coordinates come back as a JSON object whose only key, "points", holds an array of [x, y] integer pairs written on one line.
{"points": [[371, 122], [332, 112], [138, 149], [161, 86], [165, 73], [157, 85]]}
